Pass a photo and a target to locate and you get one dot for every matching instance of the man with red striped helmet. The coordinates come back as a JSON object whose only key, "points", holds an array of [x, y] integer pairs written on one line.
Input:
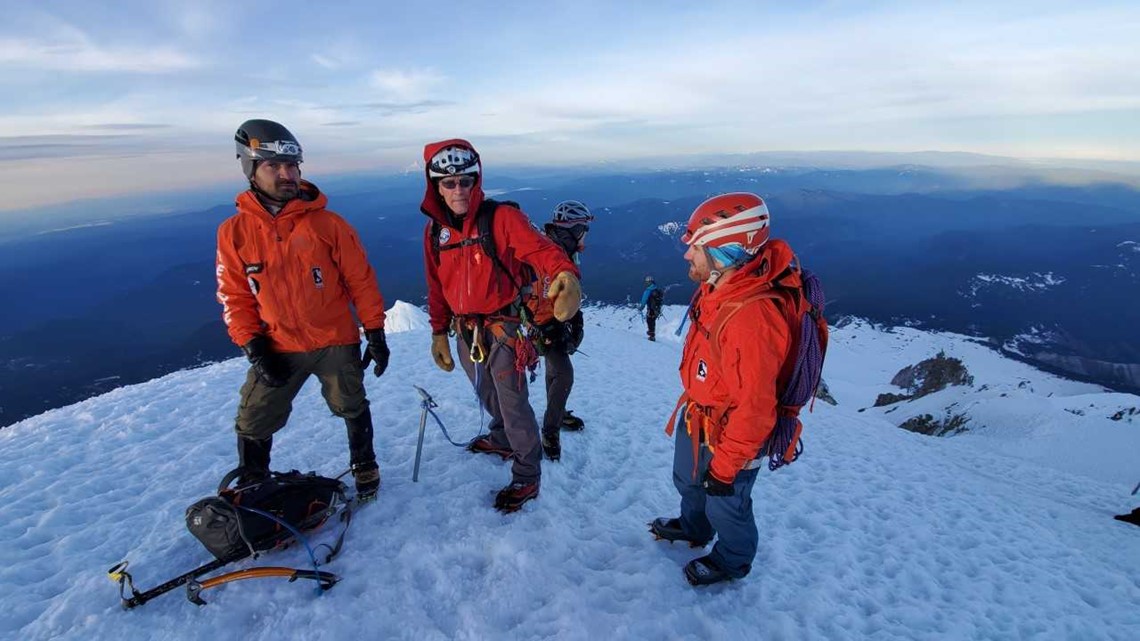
{"points": [[730, 368]]}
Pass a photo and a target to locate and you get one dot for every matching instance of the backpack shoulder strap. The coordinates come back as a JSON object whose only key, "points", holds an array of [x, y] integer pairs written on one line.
{"points": [[730, 309], [434, 233], [485, 220]]}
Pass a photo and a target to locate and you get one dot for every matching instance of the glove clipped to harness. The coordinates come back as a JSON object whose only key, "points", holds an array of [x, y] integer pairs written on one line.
{"points": [[566, 292], [441, 352], [377, 351], [269, 366]]}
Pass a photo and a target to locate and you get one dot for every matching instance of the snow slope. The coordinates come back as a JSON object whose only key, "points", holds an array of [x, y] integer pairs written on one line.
{"points": [[875, 532]]}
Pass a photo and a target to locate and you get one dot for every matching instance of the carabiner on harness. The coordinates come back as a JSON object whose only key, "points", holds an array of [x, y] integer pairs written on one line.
{"points": [[478, 354]]}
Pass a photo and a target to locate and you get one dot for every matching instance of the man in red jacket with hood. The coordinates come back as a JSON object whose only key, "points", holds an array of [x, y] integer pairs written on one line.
{"points": [[731, 372], [289, 273], [477, 255]]}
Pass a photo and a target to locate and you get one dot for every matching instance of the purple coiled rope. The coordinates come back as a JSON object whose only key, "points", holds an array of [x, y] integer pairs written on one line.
{"points": [[804, 378]]}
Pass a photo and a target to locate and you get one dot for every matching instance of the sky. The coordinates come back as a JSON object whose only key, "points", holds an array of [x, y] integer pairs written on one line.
{"points": [[146, 95], [1004, 532]]}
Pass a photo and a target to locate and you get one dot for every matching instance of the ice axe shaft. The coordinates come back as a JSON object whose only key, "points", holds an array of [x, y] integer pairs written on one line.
{"points": [[425, 406]]}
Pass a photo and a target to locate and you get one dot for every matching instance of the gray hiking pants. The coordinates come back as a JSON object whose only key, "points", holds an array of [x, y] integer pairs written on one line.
{"points": [[559, 382], [506, 397], [730, 518], [263, 409]]}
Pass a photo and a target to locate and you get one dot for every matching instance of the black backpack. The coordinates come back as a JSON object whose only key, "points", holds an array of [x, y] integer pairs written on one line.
{"points": [[265, 514], [656, 298]]}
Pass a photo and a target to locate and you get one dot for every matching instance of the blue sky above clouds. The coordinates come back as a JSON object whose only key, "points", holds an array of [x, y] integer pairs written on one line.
{"points": [[146, 95]]}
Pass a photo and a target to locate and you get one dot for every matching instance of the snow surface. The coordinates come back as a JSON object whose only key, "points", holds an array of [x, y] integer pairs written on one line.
{"points": [[875, 533]]}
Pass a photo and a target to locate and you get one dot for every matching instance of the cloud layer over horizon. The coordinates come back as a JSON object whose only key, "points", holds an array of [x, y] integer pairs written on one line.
{"points": [[161, 86]]}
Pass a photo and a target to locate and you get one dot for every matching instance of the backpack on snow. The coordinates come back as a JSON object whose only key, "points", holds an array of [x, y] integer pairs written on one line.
{"points": [[656, 300], [802, 306], [265, 514]]}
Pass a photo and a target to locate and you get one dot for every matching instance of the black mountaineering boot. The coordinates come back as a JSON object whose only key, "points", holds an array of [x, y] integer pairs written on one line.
{"points": [[1132, 517], [253, 457], [703, 571], [572, 423], [671, 531], [367, 477], [552, 445], [359, 430]]}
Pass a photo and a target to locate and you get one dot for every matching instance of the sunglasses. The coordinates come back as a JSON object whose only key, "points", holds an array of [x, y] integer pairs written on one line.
{"points": [[465, 182]]}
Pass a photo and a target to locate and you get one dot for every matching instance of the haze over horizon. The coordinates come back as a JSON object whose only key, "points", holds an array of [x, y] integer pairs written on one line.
{"points": [[146, 95]]}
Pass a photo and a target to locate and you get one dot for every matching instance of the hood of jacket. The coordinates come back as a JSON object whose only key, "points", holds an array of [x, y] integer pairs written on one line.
{"points": [[433, 205], [309, 198], [770, 262]]}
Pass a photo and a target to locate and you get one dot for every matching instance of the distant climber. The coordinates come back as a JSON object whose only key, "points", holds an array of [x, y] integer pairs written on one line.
{"points": [[651, 300]]}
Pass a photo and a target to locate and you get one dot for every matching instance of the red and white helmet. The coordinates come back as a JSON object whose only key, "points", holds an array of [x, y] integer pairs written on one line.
{"points": [[729, 219]]}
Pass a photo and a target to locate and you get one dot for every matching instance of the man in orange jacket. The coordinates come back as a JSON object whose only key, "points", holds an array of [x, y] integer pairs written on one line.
{"points": [[477, 256], [289, 272], [729, 405]]}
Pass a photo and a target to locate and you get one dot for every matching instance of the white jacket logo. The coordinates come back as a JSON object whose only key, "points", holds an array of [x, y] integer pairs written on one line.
{"points": [[702, 370], [444, 235]]}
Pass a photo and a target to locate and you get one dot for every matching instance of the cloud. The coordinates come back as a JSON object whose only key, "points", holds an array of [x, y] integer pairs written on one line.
{"points": [[73, 51], [127, 126], [325, 61], [403, 85], [62, 146]]}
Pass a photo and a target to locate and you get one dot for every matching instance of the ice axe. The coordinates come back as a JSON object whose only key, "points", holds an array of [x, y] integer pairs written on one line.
{"points": [[426, 405]]}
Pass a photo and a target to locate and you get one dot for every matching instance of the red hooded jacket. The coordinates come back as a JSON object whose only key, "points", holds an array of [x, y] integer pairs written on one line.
{"points": [[467, 281], [293, 276], [735, 399]]}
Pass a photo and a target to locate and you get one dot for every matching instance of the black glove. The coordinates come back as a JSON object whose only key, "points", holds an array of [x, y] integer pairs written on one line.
{"points": [[714, 486], [553, 334], [377, 350], [269, 367]]}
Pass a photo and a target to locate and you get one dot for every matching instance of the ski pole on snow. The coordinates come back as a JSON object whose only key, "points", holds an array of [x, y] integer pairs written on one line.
{"points": [[1136, 489], [425, 406]]}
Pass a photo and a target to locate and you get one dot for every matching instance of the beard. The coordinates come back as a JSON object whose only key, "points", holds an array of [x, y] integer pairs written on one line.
{"points": [[285, 190]]}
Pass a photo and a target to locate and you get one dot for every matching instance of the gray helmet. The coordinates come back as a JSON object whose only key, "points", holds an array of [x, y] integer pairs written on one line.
{"points": [[258, 140], [648, 279], [571, 213]]}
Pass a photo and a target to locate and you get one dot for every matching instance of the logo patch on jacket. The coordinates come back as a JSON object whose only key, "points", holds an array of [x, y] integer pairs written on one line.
{"points": [[318, 280], [444, 235], [254, 286], [702, 370]]}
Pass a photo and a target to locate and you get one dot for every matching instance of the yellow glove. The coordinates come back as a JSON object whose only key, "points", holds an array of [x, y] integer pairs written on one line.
{"points": [[441, 352], [567, 295]]}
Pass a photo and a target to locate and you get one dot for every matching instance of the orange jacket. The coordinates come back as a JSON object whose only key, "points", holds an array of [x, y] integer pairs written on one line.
{"points": [[293, 276], [735, 400], [466, 281]]}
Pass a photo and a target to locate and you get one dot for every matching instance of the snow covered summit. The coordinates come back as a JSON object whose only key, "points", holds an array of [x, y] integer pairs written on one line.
{"points": [[1001, 532]]}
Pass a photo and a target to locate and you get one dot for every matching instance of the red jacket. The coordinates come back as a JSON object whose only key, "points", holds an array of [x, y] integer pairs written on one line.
{"points": [[465, 280], [293, 276], [735, 399]]}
